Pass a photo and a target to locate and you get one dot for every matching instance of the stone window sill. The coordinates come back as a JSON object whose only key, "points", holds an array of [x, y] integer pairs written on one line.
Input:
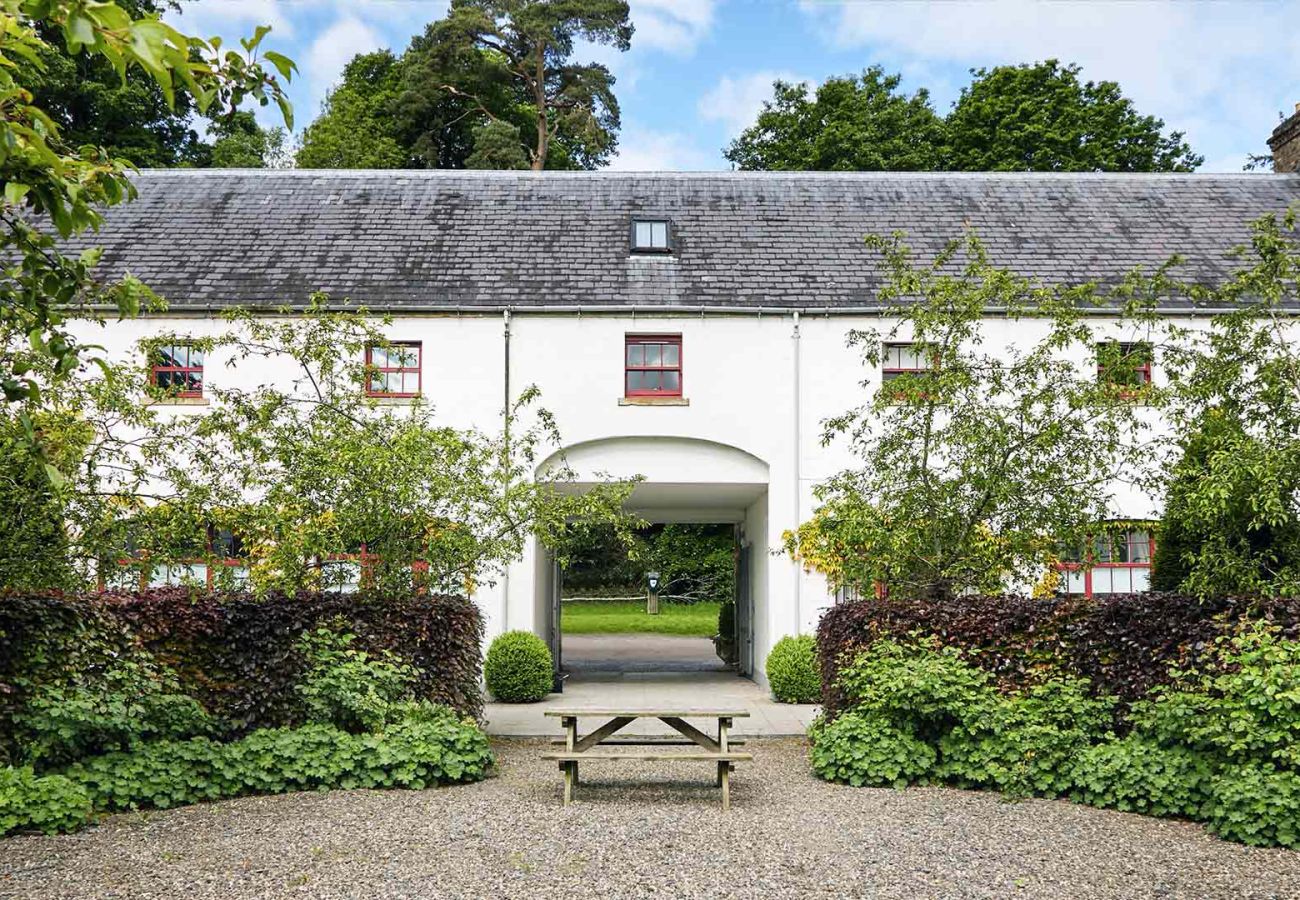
{"points": [[176, 401], [396, 401], [653, 401]]}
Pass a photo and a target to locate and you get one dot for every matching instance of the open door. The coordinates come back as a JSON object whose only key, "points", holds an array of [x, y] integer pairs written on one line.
{"points": [[556, 627], [744, 612]]}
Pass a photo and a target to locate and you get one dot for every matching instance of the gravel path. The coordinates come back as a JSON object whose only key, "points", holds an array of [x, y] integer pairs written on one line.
{"points": [[787, 835]]}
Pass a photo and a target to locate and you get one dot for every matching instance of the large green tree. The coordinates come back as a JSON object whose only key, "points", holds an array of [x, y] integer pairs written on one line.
{"points": [[359, 128], [849, 124], [1232, 517], [978, 465], [1042, 118], [1027, 118], [92, 104], [240, 143], [493, 84]]}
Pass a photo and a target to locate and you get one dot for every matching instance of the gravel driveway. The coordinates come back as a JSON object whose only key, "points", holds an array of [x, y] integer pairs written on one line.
{"points": [[787, 835]]}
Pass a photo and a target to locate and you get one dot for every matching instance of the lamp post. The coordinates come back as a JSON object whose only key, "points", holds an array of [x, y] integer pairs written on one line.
{"points": [[652, 593]]}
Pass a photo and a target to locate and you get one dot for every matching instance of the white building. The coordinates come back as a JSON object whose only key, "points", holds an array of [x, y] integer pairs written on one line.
{"points": [[687, 328]]}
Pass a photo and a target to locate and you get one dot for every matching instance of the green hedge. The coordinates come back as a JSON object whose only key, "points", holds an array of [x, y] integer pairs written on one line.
{"points": [[792, 670], [1220, 744], [237, 656], [416, 752], [519, 668]]}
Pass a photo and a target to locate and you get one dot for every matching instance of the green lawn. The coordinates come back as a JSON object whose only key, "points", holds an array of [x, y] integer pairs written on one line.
{"points": [[629, 617]]}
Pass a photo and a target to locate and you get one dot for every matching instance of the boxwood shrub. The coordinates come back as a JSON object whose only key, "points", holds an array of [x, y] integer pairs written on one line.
{"points": [[519, 668], [792, 670]]}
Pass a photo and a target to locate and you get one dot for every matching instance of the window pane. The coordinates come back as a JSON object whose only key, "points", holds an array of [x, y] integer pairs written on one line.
{"points": [[1139, 547], [407, 357], [196, 356], [1102, 582], [411, 383], [659, 232], [672, 355], [643, 234], [163, 380], [1074, 581], [194, 382], [379, 383], [653, 354], [167, 356], [635, 354], [378, 356], [672, 382], [1141, 580], [652, 381], [635, 381]]}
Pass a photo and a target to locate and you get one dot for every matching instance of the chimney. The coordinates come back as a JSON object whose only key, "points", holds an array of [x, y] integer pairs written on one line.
{"points": [[1285, 144]]}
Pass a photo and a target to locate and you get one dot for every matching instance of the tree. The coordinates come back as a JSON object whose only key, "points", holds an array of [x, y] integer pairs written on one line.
{"points": [[53, 190], [982, 468], [852, 124], [358, 127], [1232, 507], [1041, 118], [93, 105], [240, 143], [511, 62]]}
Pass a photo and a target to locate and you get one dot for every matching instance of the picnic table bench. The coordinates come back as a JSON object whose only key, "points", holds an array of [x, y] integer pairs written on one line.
{"points": [[600, 744]]}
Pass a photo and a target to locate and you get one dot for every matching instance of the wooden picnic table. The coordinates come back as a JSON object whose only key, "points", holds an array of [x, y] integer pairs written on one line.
{"points": [[597, 744]]}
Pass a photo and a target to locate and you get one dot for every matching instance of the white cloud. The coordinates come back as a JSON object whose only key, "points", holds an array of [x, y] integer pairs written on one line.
{"points": [[334, 48], [233, 19], [736, 102], [673, 25], [1218, 71], [644, 150]]}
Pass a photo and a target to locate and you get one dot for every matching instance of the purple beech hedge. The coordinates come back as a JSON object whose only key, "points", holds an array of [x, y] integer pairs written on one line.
{"points": [[1124, 644], [233, 652]]}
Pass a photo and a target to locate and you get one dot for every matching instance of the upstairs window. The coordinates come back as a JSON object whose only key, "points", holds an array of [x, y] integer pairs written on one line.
{"points": [[653, 365], [176, 369], [1124, 365], [651, 236], [394, 370], [903, 359]]}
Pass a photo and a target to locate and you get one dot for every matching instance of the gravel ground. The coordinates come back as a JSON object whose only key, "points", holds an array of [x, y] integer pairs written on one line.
{"points": [[642, 830]]}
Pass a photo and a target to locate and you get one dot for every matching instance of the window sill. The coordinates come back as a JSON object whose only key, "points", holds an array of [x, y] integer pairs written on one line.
{"points": [[396, 401], [654, 401], [176, 401]]}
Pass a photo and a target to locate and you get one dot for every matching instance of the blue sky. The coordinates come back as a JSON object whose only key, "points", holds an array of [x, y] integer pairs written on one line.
{"points": [[698, 70]]}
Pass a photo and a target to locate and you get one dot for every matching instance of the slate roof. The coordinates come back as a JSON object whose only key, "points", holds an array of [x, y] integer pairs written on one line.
{"points": [[433, 239]]}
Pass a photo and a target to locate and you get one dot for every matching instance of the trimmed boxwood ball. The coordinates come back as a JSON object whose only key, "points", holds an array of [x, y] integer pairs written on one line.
{"points": [[792, 670], [518, 668]]}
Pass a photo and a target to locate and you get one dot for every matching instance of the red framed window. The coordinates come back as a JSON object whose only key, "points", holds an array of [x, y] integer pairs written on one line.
{"points": [[903, 359], [1125, 365], [1115, 564], [394, 370], [653, 365], [177, 369]]}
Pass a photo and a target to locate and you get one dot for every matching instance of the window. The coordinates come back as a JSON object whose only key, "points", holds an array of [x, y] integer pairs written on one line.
{"points": [[653, 365], [650, 236], [903, 359], [1125, 365], [394, 370], [177, 369], [1117, 563]]}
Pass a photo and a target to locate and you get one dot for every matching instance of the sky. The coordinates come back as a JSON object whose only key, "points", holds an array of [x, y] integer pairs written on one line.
{"points": [[698, 71]]}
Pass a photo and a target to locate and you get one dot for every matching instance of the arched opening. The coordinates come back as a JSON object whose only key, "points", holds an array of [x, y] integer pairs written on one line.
{"points": [[690, 490]]}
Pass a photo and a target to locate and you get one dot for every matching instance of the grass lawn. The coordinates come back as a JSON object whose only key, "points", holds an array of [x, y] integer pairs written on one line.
{"points": [[629, 617]]}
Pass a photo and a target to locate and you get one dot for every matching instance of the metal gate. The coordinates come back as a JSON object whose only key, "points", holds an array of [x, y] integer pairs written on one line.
{"points": [[744, 613], [556, 628]]}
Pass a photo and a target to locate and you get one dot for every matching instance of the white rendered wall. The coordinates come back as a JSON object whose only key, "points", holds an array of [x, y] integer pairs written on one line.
{"points": [[738, 376]]}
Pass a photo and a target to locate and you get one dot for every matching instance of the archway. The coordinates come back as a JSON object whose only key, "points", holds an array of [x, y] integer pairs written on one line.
{"points": [[684, 480]]}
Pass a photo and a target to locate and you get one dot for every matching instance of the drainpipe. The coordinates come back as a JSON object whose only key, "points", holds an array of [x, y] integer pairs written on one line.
{"points": [[798, 579], [505, 429]]}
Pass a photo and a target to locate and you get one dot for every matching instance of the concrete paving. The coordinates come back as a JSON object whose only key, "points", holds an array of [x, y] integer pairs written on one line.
{"points": [[620, 674]]}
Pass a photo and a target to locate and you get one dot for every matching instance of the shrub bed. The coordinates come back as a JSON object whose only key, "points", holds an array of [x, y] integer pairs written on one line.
{"points": [[415, 752], [1220, 744], [237, 656], [1124, 645]]}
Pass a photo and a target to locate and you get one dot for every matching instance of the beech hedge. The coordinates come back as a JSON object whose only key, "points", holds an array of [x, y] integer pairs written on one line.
{"points": [[236, 654], [1123, 644]]}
